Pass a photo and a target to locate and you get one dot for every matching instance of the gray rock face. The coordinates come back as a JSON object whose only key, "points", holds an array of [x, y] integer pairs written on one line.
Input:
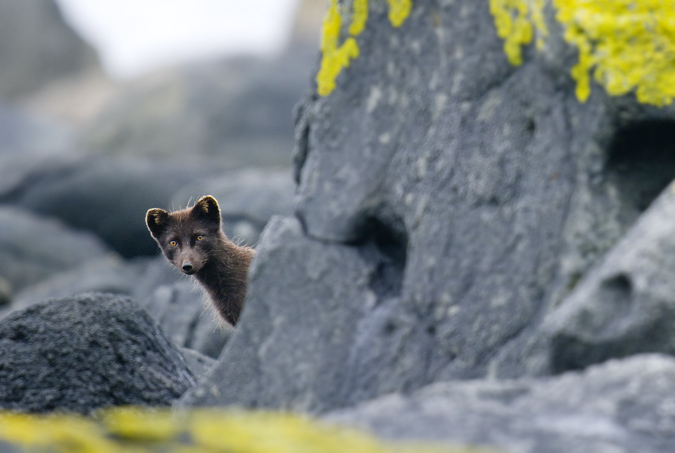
{"points": [[617, 407], [87, 352], [270, 376], [38, 47], [447, 202], [33, 248], [625, 305]]}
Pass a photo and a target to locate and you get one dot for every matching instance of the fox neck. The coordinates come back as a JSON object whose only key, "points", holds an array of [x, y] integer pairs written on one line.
{"points": [[224, 277]]}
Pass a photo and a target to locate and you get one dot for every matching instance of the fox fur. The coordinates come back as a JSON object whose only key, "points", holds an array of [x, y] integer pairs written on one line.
{"points": [[193, 241]]}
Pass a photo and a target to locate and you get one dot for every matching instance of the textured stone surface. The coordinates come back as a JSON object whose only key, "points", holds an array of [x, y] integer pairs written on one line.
{"points": [[447, 202], [38, 47], [270, 375], [625, 305], [86, 352], [620, 406]]}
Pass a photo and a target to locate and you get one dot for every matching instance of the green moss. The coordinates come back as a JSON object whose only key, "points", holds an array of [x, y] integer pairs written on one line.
{"points": [[625, 45], [336, 56], [147, 430]]}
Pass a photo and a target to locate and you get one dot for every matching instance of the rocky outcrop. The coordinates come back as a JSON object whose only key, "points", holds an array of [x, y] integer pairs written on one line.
{"points": [[448, 202], [38, 47], [83, 353], [613, 407]]}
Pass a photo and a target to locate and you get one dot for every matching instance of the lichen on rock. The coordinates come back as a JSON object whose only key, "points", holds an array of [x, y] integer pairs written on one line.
{"points": [[625, 45], [336, 57], [147, 430]]}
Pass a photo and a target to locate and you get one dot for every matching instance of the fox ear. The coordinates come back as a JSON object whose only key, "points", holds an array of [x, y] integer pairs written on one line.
{"points": [[207, 208], [156, 220]]}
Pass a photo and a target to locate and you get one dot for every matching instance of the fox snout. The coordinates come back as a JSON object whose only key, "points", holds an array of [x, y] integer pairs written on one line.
{"points": [[188, 263]]}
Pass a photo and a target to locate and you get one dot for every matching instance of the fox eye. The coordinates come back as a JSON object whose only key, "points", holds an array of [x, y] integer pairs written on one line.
{"points": [[200, 237], [173, 243]]}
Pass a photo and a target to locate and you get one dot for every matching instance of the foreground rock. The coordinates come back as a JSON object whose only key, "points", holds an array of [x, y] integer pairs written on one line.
{"points": [[621, 406], [86, 352]]}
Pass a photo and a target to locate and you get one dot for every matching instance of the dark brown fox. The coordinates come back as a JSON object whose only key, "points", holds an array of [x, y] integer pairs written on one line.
{"points": [[192, 240]]}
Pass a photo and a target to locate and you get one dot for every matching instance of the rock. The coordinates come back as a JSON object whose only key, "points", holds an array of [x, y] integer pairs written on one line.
{"points": [[198, 363], [187, 319], [270, 376], [83, 353], [38, 47], [625, 304], [447, 202], [237, 112], [107, 197], [177, 305], [615, 407], [247, 199], [33, 248]]}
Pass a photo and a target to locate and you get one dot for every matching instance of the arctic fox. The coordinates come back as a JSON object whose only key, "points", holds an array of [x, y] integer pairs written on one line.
{"points": [[192, 240]]}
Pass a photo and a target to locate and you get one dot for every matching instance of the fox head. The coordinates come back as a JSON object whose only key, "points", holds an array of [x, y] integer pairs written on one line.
{"points": [[187, 236]]}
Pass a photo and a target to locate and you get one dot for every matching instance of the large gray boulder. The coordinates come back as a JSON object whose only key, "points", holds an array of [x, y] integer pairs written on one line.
{"points": [[86, 352], [618, 407], [447, 202], [38, 47]]}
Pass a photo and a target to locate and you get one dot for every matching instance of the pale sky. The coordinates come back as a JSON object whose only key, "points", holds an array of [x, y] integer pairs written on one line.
{"points": [[135, 36]]}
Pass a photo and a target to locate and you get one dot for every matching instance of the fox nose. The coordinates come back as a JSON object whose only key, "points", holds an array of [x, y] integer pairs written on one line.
{"points": [[187, 266]]}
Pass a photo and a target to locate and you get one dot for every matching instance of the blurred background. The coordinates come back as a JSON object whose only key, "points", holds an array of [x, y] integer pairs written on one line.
{"points": [[112, 107]]}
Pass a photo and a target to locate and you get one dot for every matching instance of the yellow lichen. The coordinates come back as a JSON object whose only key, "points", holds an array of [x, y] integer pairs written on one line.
{"points": [[147, 430], [626, 45], [359, 18], [336, 57], [513, 21], [399, 10]]}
